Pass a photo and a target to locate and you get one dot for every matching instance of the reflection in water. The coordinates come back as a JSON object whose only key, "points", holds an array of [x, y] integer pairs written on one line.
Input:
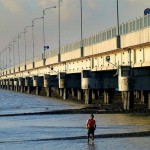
{"points": [[91, 146]]}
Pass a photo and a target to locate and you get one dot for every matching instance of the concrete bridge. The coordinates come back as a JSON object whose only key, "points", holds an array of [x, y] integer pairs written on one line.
{"points": [[102, 64]]}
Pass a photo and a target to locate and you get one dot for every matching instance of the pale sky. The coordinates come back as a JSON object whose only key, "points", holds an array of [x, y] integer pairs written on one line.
{"points": [[98, 15]]}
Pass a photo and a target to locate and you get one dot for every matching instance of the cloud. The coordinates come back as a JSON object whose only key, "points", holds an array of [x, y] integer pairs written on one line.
{"points": [[146, 2], [46, 3], [91, 4], [11, 5]]}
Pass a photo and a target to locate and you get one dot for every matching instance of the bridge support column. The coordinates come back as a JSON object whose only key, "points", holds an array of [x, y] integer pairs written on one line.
{"points": [[79, 94], [21, 89], [148, 99], [48, 91], [144, 97], [21, 82], [94, 94], [61, 92], [37, 90], [73, 92], [28, 89], [128, 100], [65, 93], [108, 95], [7, 87], [11, 87], [16, 88], [137, 94], [88, 96]]}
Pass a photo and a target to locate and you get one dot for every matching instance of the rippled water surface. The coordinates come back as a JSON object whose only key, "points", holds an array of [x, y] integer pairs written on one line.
{"points": [[38, 131]]}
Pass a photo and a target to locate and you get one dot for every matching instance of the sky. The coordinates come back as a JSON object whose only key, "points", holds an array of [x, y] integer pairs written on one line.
{"points": [[98, 15]]}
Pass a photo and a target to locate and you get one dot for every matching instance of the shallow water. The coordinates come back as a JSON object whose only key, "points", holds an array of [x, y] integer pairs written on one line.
{"points": [[38, 131]]}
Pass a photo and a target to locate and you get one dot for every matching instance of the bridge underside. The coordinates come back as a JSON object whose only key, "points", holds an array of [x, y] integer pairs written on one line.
{"points": [[89, 87]]}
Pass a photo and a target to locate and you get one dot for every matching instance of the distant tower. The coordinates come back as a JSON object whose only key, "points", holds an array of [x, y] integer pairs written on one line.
{"points": [[147, 11]]}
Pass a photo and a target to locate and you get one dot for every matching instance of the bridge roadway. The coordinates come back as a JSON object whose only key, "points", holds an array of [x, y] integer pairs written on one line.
{"points": [[83, 70]]}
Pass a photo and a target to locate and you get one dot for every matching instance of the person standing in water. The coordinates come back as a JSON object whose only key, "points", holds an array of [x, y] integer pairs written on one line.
{"points": [[91, 126]]}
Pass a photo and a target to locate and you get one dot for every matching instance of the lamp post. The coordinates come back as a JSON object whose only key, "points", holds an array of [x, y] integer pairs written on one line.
{"points": [[59, 59], [44, 46], [118, 30], [3, 60], [81, 28], [19, 46], [33, 35], [6, 57], [0, 62], [9, 55], [14, 40], [25, 43]]}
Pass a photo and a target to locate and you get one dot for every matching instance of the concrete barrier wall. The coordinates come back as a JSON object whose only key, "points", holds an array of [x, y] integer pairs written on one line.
{"points": [[135, 38], [52, 60], [71, 55], [102, 47], [39, 64]]}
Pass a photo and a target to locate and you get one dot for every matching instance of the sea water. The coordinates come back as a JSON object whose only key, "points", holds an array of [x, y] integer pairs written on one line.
{"points": [[51, 132]]}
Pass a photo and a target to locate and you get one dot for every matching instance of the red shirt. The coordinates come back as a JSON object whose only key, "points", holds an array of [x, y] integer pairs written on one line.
{"points": [[91, 123]]}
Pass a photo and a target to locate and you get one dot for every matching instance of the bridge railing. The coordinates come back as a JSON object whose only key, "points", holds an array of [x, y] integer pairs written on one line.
{"points": [[29, 61], [125, 28], [38, 58]]}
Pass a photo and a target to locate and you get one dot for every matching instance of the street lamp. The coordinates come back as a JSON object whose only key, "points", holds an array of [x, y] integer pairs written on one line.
{"points": [[59, 59], [3, 59], [14, 40], [33, 35], [6, 56], [45, 47], [118, 30], [9, 54], [0, 62], [19, 47], [25, 43], [81, 29]]}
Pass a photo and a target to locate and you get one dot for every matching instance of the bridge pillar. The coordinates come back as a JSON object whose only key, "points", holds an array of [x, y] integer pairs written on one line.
{"points": [[21, 89], [28, 89], [86, 85], [7, 84], [137, 94], [62, 85], [48, 91], [148, 99], [21, 84], [3, 84], [11, 83], [144, 97], [125, 86], [38, 83], [65, 93], [88, 96], [73, 92], [37, 90], [106, 97], [128, 100], [47, 85], [95, 94], [61, 92], [16, 84], [80, 94], [28, 84]]}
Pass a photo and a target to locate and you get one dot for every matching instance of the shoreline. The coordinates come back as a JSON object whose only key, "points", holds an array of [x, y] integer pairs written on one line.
{"points": [[86, 110]]}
